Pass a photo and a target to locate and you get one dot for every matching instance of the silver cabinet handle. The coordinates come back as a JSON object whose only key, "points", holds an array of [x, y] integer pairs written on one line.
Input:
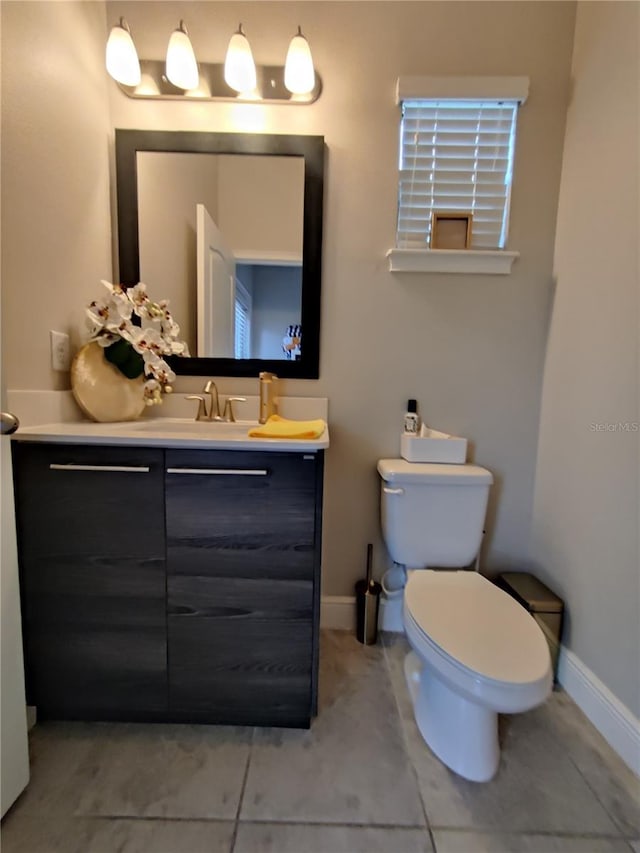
{"points": [[129, 469], [245, 472], [389, 491]]}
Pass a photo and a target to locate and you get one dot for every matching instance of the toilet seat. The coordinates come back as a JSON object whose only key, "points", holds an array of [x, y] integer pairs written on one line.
{"points": [[478, 625], [479, 639]]}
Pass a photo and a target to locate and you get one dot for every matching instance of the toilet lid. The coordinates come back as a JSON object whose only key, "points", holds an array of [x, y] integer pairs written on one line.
{"points": [[478, 625], [433, 473]]}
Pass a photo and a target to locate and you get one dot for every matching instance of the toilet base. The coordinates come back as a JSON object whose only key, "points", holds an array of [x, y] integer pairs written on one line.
{"points": [[463, 734], [390, 616]]}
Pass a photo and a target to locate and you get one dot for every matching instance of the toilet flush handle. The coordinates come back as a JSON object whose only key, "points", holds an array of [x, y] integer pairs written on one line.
{"points": [[389, 491]]}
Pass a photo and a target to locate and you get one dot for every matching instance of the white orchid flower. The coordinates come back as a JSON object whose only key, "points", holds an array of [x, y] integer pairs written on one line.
{"points": [[158, 368], [118, 301], [110, 320], [105, 339], [179, 348], [146, 339], [154, 311], [170, 327], [111, 312], [137, 296]]}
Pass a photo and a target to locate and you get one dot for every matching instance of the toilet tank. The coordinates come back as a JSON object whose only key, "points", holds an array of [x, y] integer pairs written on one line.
{"points": [[432, 514]]}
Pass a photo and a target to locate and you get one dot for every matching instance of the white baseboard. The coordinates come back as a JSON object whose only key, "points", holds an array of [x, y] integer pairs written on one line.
{"points": [[338, 611], [614, 721]]}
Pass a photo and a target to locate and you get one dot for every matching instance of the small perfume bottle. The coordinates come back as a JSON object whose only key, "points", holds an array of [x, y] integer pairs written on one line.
{"points": [[412, 418]]}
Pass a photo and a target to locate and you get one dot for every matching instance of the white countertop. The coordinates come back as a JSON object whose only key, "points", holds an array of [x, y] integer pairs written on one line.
{"points": [[168, 432], [53, 416]]}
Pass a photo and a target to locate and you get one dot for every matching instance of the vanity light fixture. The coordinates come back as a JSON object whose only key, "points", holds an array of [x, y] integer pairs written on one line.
{"points": [[121, 56], [299, 75], [239, 67], [181, 65], [238, 80]]}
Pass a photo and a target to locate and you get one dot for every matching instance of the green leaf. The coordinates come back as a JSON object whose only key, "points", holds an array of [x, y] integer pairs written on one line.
{"points": [[123, 356]]}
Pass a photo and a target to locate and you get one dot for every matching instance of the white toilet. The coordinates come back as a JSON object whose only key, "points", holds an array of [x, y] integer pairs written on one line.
{"points": [[475, 651]]}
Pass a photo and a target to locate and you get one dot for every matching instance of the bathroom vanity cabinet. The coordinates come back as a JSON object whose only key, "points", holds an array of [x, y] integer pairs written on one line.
{"points": [[170, 584]]}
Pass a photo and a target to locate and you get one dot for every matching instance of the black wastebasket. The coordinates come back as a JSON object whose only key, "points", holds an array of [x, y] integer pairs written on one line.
{"points": [[543, 604]]}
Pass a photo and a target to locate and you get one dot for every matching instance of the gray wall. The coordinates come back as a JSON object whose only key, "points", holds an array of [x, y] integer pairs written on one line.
{"points": [[585, 527], [56, 218]]}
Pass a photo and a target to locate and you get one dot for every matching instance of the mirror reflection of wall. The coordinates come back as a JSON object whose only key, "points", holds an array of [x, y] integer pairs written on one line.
{"points": [[274, 304], [257, 204]]}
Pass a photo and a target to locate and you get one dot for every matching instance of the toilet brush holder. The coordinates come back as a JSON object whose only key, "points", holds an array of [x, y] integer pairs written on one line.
{"points": [[367, 604]]}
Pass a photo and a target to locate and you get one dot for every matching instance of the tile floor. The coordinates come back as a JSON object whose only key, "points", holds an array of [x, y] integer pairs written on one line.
{"points": [[359, 781]]}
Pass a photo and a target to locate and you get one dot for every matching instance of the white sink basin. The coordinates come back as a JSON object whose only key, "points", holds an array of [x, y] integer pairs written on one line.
{"points": [[189, 427]]}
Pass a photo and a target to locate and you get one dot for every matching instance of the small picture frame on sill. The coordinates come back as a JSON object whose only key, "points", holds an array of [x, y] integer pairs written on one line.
{"points": [[450, 230]]}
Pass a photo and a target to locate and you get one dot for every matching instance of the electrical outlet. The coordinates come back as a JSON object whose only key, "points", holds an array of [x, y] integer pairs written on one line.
{"points": [[60, 351]]}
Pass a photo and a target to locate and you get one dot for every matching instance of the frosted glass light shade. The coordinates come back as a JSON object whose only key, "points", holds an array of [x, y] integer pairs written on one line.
{"points": [[299, 76], [239, 67], [121, 56], [181, 65]]}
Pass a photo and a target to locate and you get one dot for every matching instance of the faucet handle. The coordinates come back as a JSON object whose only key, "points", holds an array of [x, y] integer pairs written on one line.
{"points": [[228, 408], [202, 406]]}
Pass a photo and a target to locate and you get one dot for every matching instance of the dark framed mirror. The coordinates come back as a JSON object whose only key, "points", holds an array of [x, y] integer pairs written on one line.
{"points": [[283, 283]]}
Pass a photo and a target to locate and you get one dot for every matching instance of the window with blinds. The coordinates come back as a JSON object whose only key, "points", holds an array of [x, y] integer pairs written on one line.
{"points": [[243, 306], [456, 156]]}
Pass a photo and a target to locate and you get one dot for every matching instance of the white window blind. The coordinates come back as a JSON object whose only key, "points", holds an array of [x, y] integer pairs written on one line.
{"points": [[243, 307], [457, 156]]}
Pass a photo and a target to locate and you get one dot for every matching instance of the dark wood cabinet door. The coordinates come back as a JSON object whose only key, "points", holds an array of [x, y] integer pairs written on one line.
{"points": [[243, 544], [92, 559], [231, 512]]}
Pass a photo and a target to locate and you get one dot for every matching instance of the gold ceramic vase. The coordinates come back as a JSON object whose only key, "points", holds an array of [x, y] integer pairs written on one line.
{"points": [[103, 393]]}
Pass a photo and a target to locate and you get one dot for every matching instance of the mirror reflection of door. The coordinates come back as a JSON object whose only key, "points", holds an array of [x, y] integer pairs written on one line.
{"points": [[257, 204], [216, 289]]}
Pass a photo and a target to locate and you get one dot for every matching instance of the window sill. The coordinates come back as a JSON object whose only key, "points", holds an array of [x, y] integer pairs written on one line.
{"points": [[483, 261]]}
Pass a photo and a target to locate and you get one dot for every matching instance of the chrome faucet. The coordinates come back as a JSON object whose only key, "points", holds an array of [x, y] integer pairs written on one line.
{"points": [[268, 398]]}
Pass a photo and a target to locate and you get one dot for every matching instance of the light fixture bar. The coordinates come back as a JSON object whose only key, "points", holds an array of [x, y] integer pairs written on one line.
{"points": [[270, 86]]}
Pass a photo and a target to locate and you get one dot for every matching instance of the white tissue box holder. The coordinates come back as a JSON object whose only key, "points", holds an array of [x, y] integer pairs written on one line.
{"points": [[430, 445]]}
